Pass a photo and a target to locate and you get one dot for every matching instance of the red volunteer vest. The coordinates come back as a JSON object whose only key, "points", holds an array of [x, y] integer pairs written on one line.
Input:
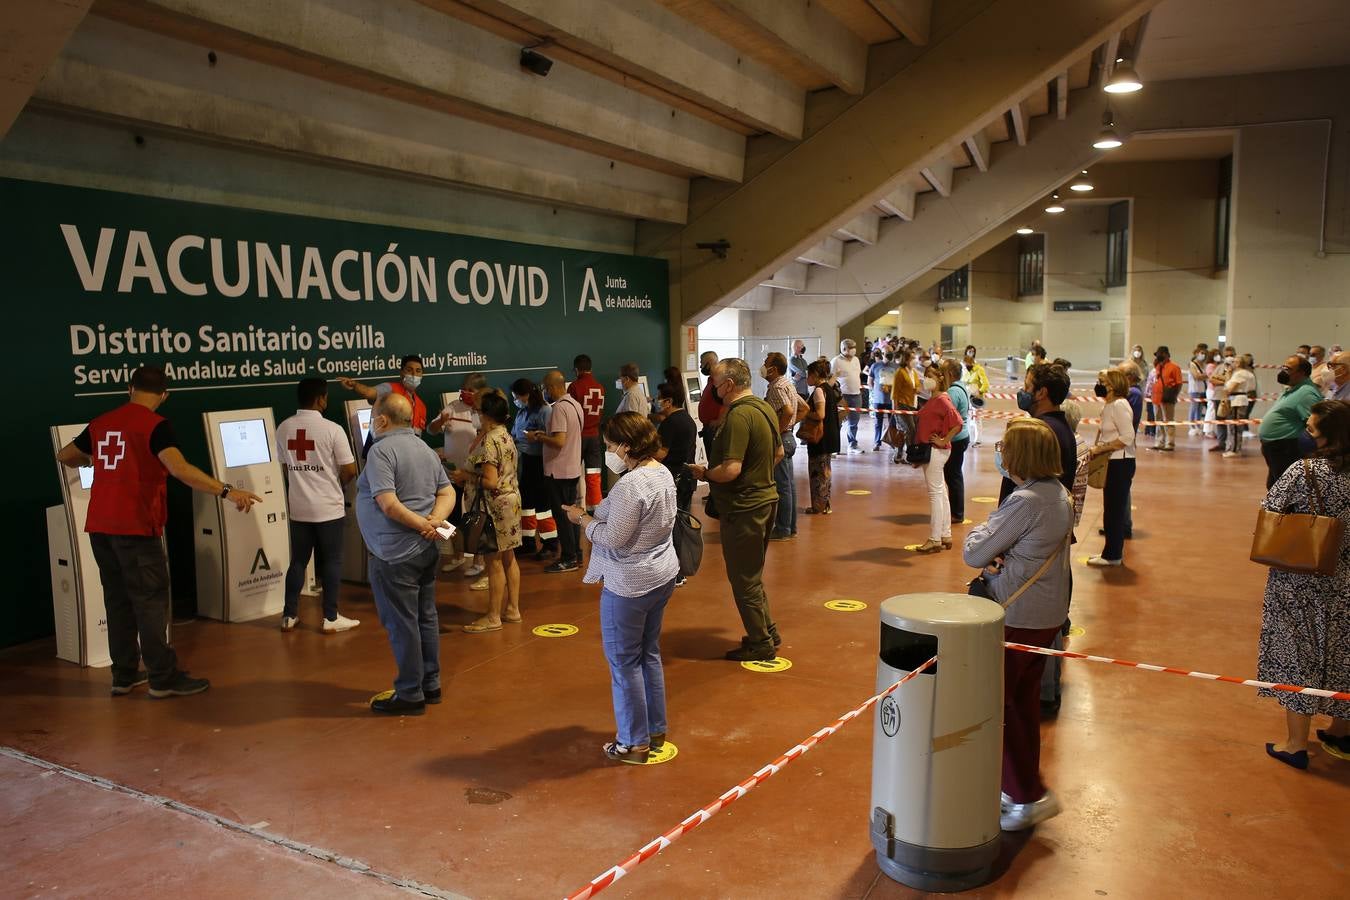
{"points": [[128, 495], [419, 420]]}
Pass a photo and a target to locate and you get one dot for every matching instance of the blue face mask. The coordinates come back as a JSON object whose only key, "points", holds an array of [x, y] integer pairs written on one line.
{"points": [[520, 404], [998, 464], [1026, 401]]}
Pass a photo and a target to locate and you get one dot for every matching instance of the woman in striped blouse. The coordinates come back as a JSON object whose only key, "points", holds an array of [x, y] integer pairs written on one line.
{"points": [[633, 555]]}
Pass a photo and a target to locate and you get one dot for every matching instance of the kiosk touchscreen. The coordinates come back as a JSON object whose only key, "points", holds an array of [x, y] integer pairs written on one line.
{"points": [[693, 390], [77, 593], [242, 557], [354, 555]]}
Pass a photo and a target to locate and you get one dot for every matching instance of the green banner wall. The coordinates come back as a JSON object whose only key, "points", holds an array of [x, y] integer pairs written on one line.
{"points": [[241, 304]]}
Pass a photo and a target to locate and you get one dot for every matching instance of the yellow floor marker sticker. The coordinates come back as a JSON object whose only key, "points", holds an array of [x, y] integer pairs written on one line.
{"points": [[845, 605], [667, 752], [858, 493], [913, 547], [967, 522], [1083, 560], [777, 664], [1077, 631], [557, 630], [984, 499]]}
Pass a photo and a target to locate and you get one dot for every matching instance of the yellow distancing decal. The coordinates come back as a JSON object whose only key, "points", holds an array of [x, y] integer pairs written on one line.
{"points": [[967, 522], [857, 493], [777, 664], [1077, 631], [845, 605], [984, 499], [1083, 560], [913, 547], [556, 630], [667, 752]]}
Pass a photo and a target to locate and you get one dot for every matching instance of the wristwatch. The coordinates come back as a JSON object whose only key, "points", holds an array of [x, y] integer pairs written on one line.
{"points": [[225, 491]]}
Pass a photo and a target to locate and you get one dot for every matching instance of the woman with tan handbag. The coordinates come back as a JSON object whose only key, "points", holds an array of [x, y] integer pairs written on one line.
{"points": [[1024, 551], [905, 397], [1115, 439], [1305, 618], [821, 424]]}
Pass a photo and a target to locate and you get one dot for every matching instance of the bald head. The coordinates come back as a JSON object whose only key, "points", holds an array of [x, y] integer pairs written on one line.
{"points": [[1131, 371], [396, 409], [555, 385]]}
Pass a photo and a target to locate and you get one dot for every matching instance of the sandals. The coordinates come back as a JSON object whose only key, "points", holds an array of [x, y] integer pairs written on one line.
{"points": [[929, 546], [633, 756], [510, 621], [481, 628]]}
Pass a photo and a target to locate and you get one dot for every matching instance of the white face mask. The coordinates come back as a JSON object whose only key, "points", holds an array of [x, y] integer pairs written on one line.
{"points": [[1139, 354], [1199, 357], [1312, 360], [412, 382], [616, 465], [764, 372], [618, 383], [929, 385]]}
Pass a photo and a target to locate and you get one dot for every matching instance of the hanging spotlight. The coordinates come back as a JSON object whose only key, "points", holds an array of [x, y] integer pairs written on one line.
{"points": [[1123, 78], [1025, 230], [1107, 139], [1055, 206], [1082, 184], [892, 312]]}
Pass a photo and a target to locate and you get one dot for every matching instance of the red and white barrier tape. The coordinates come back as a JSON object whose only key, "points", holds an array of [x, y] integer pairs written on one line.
{"points": [[1171, 670], [604, 880], [1009, 414], [1093, 398]]}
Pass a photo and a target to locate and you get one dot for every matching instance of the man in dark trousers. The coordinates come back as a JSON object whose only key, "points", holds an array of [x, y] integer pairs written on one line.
{"points": [[133, 449]]}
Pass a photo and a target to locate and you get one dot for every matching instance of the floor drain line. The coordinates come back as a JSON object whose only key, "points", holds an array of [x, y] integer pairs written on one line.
{"points": [[346, 862]]}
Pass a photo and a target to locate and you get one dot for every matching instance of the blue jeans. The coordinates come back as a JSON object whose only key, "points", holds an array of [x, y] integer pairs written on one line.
{"points": [[786, 482], [1197, 408], [854, 402], [324, 540], [879, 414], [405, 598], [630, 628]]}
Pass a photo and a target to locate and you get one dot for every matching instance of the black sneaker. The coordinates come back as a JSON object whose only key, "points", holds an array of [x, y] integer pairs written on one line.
{"points": [[432, 696], [390, 704], [748, 654], [777, 641], [181, 685], [564, 565], [121, 688]]}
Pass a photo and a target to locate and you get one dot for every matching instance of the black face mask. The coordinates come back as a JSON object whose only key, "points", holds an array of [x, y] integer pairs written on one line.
{"points": [[1283, 377], [706, 370], [1100, 390], [1026, 400]]}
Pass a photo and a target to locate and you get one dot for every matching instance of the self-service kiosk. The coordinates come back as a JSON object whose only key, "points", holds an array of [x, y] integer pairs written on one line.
{"points": [[242, 557], [354, 554], [693, 390]]}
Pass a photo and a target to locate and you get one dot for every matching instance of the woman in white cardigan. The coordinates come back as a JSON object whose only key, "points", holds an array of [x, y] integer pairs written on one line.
{"points": [[1115, 436]]}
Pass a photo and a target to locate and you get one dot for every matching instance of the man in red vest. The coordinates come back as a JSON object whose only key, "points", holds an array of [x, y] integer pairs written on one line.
{"points": [[410, 379], [591, 395], [132, 448]]}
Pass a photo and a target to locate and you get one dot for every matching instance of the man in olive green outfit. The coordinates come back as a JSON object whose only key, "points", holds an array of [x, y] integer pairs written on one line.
{"points": [[740, 478]]}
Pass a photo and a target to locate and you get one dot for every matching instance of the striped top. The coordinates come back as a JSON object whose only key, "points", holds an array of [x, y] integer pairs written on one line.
{"points": [[631, 547]]}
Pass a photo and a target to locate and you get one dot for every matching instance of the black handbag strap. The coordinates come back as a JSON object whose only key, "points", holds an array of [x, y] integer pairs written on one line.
{"points": [[1314, 492]]}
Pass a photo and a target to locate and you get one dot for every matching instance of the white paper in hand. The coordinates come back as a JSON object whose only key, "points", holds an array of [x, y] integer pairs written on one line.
{"points": [[446, 531]]}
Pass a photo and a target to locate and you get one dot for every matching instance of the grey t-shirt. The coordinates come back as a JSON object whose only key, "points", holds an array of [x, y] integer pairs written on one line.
{"points": [[399, 462]]}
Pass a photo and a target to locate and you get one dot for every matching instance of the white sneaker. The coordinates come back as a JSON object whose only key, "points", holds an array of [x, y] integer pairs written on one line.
{"points": [[473, 571], [288, 623], [1229, 454], [453, 564], [341, 623], [1101, 563], [1021, 816]]}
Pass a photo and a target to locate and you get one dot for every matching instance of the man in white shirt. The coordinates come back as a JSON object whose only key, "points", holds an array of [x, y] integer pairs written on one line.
{"points": [[459, 422], [633, 400], [848, 370], [318, 461]]}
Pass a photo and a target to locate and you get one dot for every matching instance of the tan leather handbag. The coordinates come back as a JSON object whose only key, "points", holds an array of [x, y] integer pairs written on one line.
{"points": [[1298, 542]]}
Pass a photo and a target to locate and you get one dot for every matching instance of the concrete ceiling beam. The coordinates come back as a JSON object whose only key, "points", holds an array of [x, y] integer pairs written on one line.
{"points": [[828, 253], [1020, 125], [402, 50], [939, 174], [792, 277], [694, 71], [758, 299], [978, 146], [899, 202], [31, 37], [912, 18], [862, 227], [801, 40], [1061, 95]]}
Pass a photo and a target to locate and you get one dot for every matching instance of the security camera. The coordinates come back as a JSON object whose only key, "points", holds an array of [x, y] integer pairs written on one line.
{"points": [[535, 62]]}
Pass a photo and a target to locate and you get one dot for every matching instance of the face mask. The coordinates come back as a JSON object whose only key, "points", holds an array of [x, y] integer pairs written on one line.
{"points": [[520, 404], [1159, 359], [1139, 354], [1100, 390], [412, 382], [929, 385], [375, 431], [1312, 360], [998, 464], [764, 372], [1025, 400], [1199, 357], [1283, 377], [1218, 359], [618, 383], [616, 465], [706, 370], [466, 397]]}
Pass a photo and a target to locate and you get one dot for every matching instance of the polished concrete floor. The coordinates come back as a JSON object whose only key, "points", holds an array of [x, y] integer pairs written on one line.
{"points": [[501, 790]]}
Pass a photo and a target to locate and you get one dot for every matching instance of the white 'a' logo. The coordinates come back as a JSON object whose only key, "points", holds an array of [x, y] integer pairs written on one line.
{"points": [[590, 293]]}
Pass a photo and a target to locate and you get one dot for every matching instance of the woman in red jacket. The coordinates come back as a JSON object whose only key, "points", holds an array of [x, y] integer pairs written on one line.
{"points": [[938, 423], [1166, 387]]}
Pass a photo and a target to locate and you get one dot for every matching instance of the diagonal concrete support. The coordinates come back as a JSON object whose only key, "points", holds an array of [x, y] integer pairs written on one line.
{"points": [[906, 123], [32, 33]]}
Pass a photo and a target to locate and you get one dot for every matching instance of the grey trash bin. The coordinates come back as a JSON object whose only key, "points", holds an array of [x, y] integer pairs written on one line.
{"points": [[937, 743], [1013, 363]]}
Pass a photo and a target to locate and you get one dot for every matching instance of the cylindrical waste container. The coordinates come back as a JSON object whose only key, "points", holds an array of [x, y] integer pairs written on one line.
{"points": [[1013, 362], [938, 741]]}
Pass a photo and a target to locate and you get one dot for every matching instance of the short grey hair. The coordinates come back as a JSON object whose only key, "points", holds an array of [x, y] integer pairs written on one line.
{"points": [[396, 408], [736, 371], [703, 357], [474, 381], [847, 343]]}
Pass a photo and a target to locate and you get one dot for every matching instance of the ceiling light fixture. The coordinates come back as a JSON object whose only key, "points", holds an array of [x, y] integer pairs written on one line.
{"points": [[1123, 80], [1055, 206], [1107, 139], [1082, 184], [1025, 230], [892, 312]]}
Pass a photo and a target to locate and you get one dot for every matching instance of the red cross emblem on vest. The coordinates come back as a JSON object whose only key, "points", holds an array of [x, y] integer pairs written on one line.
{"points": [[300, 445], [594, 401], [111, 449]]}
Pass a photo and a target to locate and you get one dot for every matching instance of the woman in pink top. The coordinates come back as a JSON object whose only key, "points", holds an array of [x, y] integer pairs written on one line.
{"points": [[938, 423]]}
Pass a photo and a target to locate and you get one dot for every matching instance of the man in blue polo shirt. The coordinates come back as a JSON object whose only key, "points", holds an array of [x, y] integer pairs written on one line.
{"points": [[1286, 420]]}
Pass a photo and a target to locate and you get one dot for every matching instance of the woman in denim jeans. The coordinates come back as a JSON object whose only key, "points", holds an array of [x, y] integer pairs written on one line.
{"points": [[633, 555]]}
